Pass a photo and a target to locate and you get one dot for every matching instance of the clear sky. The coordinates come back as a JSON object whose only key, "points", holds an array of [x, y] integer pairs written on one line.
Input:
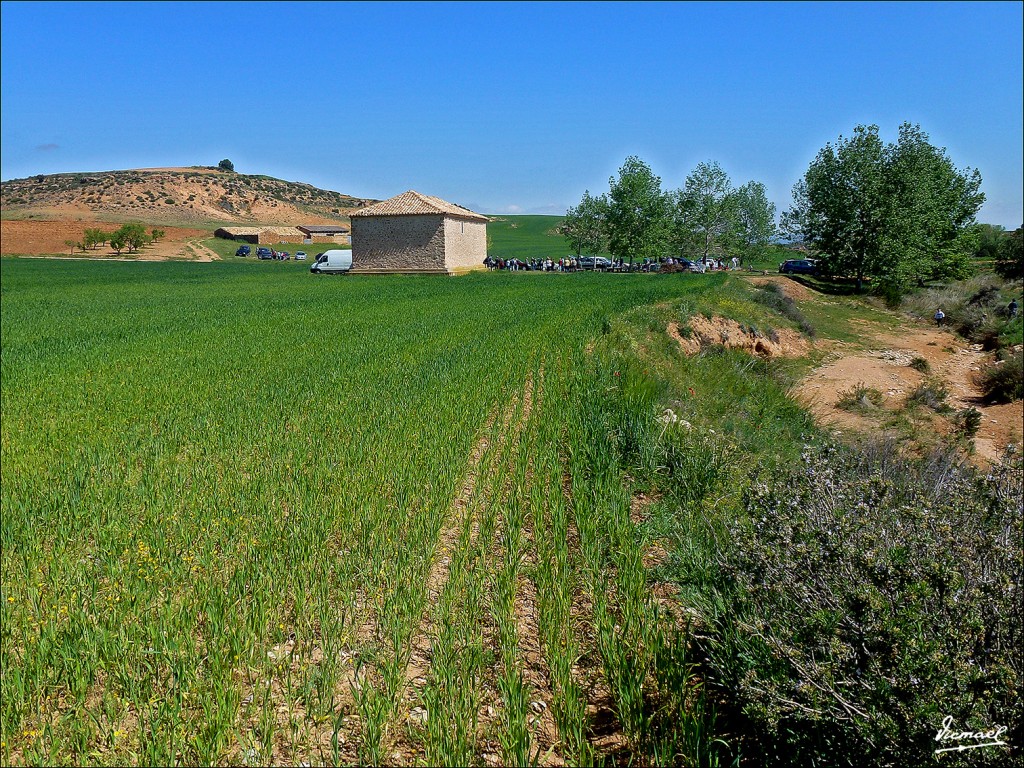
{"points": [[507, 107]]}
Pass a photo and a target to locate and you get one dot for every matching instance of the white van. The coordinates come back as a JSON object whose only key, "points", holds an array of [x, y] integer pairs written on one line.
{"points": [[334, 262]]}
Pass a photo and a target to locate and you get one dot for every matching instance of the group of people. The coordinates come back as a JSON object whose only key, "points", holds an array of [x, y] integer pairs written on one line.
{"points": [[533, 265], [574, 264], [1011, 312]]}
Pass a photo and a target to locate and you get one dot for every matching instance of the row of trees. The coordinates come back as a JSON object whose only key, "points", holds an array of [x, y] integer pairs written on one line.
{"points": [[899, 214], [636, 219], [130, 236]]}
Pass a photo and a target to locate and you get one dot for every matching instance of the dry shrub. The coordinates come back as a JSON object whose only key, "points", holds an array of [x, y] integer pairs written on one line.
{"points": [[860, 398], [1002, 381], [876, 596]]}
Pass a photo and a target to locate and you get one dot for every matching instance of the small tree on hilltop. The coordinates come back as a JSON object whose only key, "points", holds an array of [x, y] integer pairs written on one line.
{"points": [[226, 165]]}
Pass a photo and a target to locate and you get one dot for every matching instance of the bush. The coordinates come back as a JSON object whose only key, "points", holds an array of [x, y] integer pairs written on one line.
{"points": [[931, 393], [920, 364], [875, 596], [967, 422], [860, 398], [1003, 380]]}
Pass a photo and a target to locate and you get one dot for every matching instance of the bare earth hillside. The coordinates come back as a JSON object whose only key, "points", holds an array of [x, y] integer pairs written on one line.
{"points": [[185, 197]]}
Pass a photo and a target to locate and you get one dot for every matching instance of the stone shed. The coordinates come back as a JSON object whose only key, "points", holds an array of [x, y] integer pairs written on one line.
{"points": [[260, 235], [417, 233]]}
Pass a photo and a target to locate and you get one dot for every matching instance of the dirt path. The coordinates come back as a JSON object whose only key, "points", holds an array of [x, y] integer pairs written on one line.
{"points": [[882, 361], [202, 252]]}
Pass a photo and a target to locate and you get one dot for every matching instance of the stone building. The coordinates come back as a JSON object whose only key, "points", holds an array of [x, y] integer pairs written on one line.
{"points": [[316, 233], [417, 233], [260, 235]]}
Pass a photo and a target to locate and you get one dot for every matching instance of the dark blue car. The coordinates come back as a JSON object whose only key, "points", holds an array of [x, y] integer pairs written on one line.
{"points": [[798, 267]]}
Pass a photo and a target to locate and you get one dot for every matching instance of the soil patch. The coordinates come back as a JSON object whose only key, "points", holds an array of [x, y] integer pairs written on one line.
{"points": [[885, 365], [46, 238], [701, 332], [790, 288]]}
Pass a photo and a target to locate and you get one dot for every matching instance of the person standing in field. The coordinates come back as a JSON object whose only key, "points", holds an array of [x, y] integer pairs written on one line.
{"points": [[939, 316]]}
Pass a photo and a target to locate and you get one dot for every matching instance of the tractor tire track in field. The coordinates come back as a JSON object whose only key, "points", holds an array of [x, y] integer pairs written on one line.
{"points": [[458, 535], [471, 546]]}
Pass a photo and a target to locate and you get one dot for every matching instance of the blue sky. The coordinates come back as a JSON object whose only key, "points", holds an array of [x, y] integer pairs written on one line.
{"points": [[507, 107]]}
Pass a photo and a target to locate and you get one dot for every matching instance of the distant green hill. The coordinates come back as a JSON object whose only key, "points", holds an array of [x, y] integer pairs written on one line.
{"points": [[527, 237]]}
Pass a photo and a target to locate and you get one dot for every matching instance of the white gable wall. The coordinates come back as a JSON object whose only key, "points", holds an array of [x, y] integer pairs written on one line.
{"points": [[465, 244]]}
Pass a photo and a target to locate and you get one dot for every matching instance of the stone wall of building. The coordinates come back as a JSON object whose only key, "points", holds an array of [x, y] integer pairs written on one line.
{"points": [[398, 243], [339, 239], [465, 245]]}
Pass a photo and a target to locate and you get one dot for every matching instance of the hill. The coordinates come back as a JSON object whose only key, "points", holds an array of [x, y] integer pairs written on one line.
{"points": [[526, 237], [196, 196]]}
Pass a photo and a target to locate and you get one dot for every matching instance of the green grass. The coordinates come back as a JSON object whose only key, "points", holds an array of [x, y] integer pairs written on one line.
{"points": [[211, 479], [526, 237], [265, 520]]}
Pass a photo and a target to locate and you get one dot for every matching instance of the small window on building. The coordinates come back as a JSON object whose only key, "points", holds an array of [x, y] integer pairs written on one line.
{"points": [[463, 225]]}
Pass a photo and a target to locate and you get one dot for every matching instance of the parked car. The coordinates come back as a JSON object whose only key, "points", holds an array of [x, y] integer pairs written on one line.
{"points": [[798, 267], [595, 262], [264, 253], [300, 255], [333, 262], [243, 250], [692, 266]]}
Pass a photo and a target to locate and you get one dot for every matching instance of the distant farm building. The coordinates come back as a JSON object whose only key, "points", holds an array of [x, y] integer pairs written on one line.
{"points": [[417, 233], [261, 235], [325, 234]]}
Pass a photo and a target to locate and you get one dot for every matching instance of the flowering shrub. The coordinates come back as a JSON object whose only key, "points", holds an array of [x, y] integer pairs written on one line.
{"points": [[874, 597]]}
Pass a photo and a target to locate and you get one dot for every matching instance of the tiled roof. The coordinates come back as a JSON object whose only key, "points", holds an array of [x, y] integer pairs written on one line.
{"points": [[320, 230], [283, 231], [241, 230], [412, 203]]}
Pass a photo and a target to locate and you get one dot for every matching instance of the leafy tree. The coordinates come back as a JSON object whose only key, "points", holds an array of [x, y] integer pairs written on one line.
{"points": [[897, 213], [930, 232], [637, 213], [93, 237], [130, 236], [71, 244], [990, 240], [226, 165], [754, 218], [584, 225], [118, 240], [156, 234], [840, 204], [705, 210], [1010, 259]]}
